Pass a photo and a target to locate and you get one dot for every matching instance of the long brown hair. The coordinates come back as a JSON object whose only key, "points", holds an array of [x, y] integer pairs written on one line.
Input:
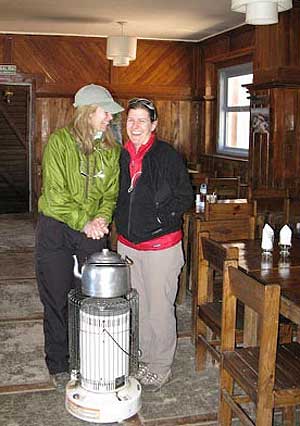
{"points": [[83, 132]]}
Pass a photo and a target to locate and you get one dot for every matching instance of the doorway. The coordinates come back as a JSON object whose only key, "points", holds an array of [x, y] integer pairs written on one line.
{"points": [[15, 148]]}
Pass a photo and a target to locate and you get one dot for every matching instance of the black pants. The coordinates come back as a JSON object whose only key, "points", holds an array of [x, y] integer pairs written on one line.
{"points": [[56, 244]]}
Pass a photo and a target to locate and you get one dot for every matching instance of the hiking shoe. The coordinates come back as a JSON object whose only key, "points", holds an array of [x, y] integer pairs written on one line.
{"points": [[153, 382], [143, 370], [60, 380]]}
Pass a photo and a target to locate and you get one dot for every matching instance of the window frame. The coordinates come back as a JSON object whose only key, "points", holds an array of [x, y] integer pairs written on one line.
{"points": [[223, 74]]}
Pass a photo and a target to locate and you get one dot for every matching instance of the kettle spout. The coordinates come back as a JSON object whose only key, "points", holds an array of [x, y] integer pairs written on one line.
{"points": [[76, 269]]}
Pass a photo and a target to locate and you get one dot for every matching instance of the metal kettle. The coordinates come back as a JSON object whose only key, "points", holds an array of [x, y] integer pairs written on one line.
{"points": [[105, 274]]}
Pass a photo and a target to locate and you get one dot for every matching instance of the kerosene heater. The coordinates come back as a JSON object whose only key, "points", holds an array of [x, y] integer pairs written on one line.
{"points": [[103, 341]]}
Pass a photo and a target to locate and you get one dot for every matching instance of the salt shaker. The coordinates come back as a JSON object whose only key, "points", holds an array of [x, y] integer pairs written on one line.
{"points": [[203, 192]]}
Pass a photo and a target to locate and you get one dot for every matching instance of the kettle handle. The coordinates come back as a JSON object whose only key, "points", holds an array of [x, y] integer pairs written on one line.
{"points": [[76, 268], [128, 260]]}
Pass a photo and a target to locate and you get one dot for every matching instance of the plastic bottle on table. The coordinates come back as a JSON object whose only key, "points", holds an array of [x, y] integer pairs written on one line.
{"points": [[198, 203], [203, 193]]}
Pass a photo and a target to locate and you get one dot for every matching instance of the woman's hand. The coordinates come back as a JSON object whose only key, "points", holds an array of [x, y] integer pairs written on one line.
{"points": [[96, 228]]}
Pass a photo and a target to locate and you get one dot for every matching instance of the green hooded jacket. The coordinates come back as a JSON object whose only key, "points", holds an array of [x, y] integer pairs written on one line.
{"points": [[78, 188]]}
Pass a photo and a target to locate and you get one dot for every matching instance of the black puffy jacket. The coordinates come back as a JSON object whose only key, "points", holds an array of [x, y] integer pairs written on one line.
{"points": [[162, 194]]}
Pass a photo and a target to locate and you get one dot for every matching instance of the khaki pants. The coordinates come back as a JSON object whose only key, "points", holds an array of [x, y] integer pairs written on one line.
{"points": [[154, 275]]}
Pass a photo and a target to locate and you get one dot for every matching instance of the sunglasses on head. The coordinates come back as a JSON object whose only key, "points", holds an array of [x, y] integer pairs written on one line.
{"points": [[146, 103]]}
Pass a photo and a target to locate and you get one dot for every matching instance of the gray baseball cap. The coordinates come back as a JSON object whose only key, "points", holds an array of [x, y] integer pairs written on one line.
{"points": [[96, 95]]}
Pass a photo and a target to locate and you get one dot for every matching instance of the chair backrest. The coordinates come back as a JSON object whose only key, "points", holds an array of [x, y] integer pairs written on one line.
{"points": [[239, 228], [271, 205], [212, 257], [214, 253], [224, 187], [228, 209], [264, 300]]}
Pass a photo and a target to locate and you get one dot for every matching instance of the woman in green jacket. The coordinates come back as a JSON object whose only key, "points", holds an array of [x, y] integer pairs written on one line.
{"points": [[80, 188]]}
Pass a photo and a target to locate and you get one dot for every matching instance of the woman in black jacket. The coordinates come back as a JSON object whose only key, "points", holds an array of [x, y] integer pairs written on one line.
{"points": [[155, 191]]}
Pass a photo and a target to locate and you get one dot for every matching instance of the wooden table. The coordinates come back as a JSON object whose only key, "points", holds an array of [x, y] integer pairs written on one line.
{"points": [[285, 273]]}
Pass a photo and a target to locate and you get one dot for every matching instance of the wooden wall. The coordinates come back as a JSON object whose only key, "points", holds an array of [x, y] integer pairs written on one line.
{"points": [[274, 159], [276, 86], [59, 65], [231, 48]]}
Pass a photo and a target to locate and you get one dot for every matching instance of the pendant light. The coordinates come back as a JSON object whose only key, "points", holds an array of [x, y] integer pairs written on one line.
{"points": [[261, 12], [121, 49]]}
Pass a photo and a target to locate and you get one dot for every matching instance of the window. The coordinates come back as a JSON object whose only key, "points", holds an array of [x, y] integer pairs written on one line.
{"points": [[234, 109]]}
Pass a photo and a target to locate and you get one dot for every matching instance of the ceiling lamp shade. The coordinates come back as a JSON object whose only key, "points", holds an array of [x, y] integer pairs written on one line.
{"points": [[261, 12], [121, 49]]}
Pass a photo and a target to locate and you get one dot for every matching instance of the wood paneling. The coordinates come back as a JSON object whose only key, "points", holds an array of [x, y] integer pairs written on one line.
{"points": [[277, 54], [230, 44], [231, 48], [275, 160], [162, 69], [66, 63], [240, 40], [58, 112], [226, 167], [51, 114]]}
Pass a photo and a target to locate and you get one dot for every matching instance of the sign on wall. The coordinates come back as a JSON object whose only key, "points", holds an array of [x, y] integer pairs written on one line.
{"points": [[8, 69]]}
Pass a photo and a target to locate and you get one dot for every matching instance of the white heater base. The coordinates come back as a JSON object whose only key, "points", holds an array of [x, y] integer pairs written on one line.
{"points": [[103, 407]]}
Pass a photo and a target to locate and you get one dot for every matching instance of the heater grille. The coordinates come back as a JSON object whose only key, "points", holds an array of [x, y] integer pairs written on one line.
{"points": [[104, 308], [75, 298], [104, 344]]}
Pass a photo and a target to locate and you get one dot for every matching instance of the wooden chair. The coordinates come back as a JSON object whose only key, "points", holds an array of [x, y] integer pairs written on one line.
{"points": [[224, 187], [268, 374], [213, 258], [234, 222], [271, 206], [184, 275]]}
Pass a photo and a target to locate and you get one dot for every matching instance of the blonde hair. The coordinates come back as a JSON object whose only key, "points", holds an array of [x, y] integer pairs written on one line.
{"points": [[83, 132]]}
